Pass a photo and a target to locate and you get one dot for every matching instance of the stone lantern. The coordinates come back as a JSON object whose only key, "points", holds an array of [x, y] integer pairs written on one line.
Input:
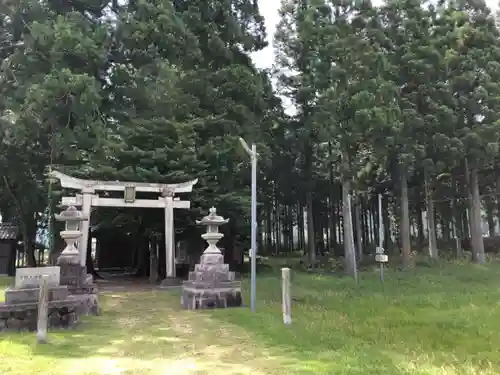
{"points": [[211, 284], [72, 218], [73, 273], [212, 221]]}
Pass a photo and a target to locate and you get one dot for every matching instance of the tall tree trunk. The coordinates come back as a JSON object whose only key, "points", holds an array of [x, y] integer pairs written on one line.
{"points": [[431, 224], [386, 224], [333, 225], [490, 215], [468, 217], [284, 228], [364, 221], [359, 233], [291, 242], [375, 219], [475, 208], [269, 230], [445, 221], [311, 248], [405, 220], [349, 255], [276, 229], [27, 217], [332, 213], [300, 226], [340, 226], [498, 200], [28, 246], [153, 261], [457, 222], [371, 222], [318, 228], [420, 224], [465, 215], [28, 232]]}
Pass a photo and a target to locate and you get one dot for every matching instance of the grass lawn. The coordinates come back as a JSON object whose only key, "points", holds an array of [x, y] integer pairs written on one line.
{"points": [[428, 321]]}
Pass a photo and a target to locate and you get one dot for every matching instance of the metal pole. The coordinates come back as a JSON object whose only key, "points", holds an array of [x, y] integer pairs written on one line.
{"points": [[351, 235], [380, 234], [253, 265], [253, 250], [380, 223]]}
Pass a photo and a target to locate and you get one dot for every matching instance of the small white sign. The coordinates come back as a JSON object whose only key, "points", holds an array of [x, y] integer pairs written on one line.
{"points": [[32, 277], [381, 258]]}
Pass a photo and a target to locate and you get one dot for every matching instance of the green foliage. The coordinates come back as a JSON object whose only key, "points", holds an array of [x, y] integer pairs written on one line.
{"points": [[157, 92], [161, 91]]}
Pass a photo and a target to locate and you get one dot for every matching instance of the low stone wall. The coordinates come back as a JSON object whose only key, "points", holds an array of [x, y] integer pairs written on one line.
{"points": [[62, 314]]}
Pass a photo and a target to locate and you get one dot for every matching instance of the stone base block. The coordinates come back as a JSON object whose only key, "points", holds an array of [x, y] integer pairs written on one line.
{"points": [[83, 289], [75, 275], [210, 298], [62, 314], [89, 304], [170, 283], [220, 285], [27, 295]]}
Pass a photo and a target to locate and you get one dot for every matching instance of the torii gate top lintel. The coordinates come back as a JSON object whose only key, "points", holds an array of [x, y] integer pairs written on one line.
{"points": [[79, 184]]}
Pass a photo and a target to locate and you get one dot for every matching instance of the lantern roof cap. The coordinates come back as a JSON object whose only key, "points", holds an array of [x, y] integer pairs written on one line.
{"points": [[212, 218], [71, 214]]}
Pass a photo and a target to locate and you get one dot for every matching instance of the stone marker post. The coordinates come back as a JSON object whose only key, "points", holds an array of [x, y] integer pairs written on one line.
{"points": [[381, 258], [286, 295], [43, 311]]}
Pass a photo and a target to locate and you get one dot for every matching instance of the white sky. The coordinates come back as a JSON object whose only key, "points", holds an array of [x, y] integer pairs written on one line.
{"points": [[269, 9]]}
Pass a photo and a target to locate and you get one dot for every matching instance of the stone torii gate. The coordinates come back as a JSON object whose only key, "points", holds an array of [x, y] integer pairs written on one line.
{"points": [[87, 199]]}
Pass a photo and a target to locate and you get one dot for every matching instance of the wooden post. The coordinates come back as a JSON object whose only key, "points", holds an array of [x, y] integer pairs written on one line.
{"points": [[43, 302], [286, 295]]}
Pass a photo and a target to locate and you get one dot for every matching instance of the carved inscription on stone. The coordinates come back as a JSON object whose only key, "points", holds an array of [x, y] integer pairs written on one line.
{"points": [[32, 277]]}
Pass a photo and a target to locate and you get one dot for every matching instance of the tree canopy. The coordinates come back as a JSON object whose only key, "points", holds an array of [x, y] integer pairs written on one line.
{"points": [[400, 99]]}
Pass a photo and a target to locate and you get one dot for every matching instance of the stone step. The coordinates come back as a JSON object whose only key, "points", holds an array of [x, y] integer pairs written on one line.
{"points": [[211, 276], [27, 295], [222, 268], [204, 286], [193, 300], [212, 259]]}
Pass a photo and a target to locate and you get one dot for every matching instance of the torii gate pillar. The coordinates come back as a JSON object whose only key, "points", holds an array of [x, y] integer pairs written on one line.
{"points": [[168, 196], [87, 193]]}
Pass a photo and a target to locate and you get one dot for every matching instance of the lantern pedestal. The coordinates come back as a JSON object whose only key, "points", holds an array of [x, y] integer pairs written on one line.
{"points": [[211, 284], [80, 284]]}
